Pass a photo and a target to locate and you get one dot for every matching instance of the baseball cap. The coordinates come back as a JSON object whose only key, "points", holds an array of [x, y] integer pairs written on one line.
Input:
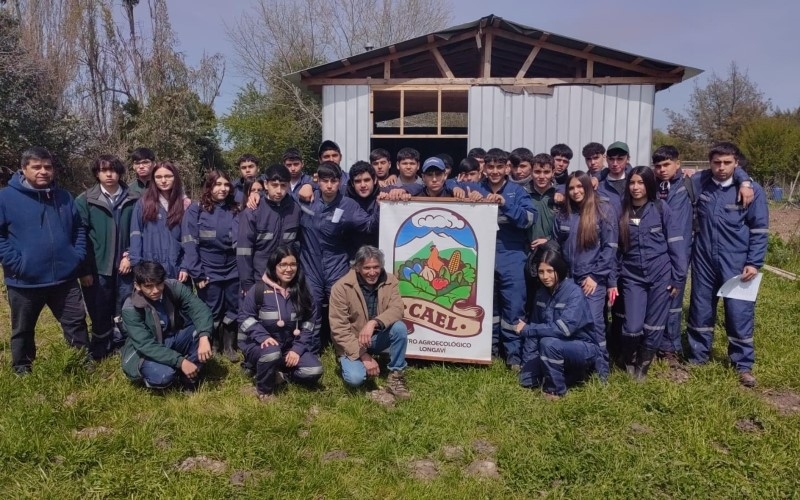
{"points": [[619, 145], [433, 162]]}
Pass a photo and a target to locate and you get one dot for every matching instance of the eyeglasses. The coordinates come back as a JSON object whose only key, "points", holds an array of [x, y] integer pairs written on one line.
{"points": [[164, 177], [287, 265], [142, 162]]}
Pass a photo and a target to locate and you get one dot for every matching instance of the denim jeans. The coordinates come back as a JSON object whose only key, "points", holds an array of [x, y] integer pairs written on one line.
{"points": [[395, 337], [158, 376]]}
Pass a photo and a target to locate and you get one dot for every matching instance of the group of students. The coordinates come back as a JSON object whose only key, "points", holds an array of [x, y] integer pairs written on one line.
{"points": [[264, 251]]}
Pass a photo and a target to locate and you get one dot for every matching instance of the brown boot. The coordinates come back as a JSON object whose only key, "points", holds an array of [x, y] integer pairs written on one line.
{"points": [[747, 379], [396, 385]]}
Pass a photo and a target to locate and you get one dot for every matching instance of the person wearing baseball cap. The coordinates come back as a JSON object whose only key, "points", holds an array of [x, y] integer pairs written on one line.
{"points": [[434, 184]]}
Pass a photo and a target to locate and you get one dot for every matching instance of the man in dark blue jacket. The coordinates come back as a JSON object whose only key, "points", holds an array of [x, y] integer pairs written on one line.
{"points": [[42, 243]]}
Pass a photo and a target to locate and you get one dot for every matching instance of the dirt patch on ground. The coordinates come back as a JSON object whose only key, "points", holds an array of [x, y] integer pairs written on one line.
{"points": [[424, 470], [786, 402], [452, 453], [202, 462], [334, 455], [677, 374], [484, 448], [785, 222], [382, 397], [241, 477], [749, 425], [483, 469], [638, 428]]}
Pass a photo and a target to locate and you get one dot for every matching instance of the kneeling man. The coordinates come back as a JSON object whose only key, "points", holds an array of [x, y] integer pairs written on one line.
{"points": [[366, 313], [168, 330]]}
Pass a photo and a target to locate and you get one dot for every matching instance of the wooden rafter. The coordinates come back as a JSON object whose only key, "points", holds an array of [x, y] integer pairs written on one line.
{"points": [[486, 60], [577, 53], [604, 80], [589, 68], [528, 61], [441, 63], [387, 69]]}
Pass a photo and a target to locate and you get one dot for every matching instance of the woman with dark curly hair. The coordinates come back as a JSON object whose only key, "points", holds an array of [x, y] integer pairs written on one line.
{"points": [[210, 227]]}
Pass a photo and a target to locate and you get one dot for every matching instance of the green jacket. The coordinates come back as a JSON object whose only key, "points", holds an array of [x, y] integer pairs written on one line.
{"points": [[543, 203], [145, 338], [136, 186], [108, 238]]}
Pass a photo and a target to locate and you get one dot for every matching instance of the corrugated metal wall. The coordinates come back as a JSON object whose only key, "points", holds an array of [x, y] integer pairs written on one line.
{"points": [[346, 120], [574, 115]]}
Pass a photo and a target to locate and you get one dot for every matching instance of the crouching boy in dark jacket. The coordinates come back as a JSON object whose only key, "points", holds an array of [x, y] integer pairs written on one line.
{"points": [[162, 343]]}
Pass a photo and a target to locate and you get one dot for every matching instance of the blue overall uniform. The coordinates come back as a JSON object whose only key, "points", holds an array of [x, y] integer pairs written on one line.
{"points": [[261, 231], [154, 241], [276, 318], [304, 179], [655, 259], [729, 237], [370, 206], [108, 230], [675, 194], [597, 262], [559, 342], [514, 220], [238, 191], [324, 250], [209, 245]]}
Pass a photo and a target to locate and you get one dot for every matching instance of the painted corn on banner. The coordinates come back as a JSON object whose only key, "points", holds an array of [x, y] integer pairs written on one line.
{"points": [[442, 252]]}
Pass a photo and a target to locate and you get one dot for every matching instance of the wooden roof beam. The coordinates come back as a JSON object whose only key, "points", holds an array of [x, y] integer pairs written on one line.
{"points": [[605, 80], [579, 53], [528, 61], [443, 67], [486, 59]]}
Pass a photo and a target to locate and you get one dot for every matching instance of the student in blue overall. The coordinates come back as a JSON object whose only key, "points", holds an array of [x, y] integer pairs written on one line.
{"points": [[276, 321], [156, 223], [562, 155], [42, 244], [469, 170], [434, 185], [210, 228], [515, 217], [105, 277], [274, 222], [363, 189], [248, 168], [521, 161], [327, 224], [381, 161], [560, 347], [587, 230], [653, 262], [676, 189], [168, 331], [611, 186], [594, 155], [731, 241], [329, 151], [293, 161]]}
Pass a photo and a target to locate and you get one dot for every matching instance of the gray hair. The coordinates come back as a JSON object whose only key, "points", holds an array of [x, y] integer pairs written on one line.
{"points": [[366, 253]]}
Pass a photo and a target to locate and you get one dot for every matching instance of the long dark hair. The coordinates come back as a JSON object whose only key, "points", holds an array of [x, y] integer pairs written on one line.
{"points": [[650, 186], [357, 169], [174, 199], [298, 290], [207, 202], [588, 211], [550, 257]]}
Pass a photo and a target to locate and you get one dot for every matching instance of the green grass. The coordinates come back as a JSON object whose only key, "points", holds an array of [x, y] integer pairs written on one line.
{"points": [[654, 440]]}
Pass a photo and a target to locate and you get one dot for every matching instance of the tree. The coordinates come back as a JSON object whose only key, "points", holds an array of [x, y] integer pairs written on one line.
{"points": [[281, 37], [772, 147], [720, 110]]}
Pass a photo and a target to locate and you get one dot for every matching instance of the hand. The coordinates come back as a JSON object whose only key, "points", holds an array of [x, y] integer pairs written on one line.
{"points": [[519, 326], [558, 198], [253, 199], [373, 370], [594, 182], [202, 284], [612, 294], [589, 286], [389, 181], [398, 195], [270, 341], [189, 369], [204, 352], [473, 195], [459, 193], [291, 359], [87, 280], [746, 194], [673, 291], [183, 276], [125, 265], [495, 198], [365, 335], [749, 273], [306, 193], [537, 243]]}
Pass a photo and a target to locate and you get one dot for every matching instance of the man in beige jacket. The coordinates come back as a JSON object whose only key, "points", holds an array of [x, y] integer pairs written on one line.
{"points": [[366, 313]]}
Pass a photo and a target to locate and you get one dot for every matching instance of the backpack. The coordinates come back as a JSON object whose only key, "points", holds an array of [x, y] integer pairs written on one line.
{"points": [[689, 185], [259, 288]]}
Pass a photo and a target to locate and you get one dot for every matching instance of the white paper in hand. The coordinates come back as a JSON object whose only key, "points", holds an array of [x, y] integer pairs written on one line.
{"points": [[735, 288]]}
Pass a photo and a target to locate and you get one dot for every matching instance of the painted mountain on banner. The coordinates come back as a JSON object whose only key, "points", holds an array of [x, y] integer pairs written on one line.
{"points": [[442, 241]]}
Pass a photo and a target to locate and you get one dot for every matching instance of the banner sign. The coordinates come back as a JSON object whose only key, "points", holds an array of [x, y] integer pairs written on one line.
{"points": [[442, 252]]}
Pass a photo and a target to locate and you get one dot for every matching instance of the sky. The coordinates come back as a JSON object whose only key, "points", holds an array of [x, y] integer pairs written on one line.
{"points": [[762, 37]]}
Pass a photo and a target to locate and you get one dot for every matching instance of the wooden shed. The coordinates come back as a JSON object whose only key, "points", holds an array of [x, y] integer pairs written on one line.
{"points": [[489, 83]]}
